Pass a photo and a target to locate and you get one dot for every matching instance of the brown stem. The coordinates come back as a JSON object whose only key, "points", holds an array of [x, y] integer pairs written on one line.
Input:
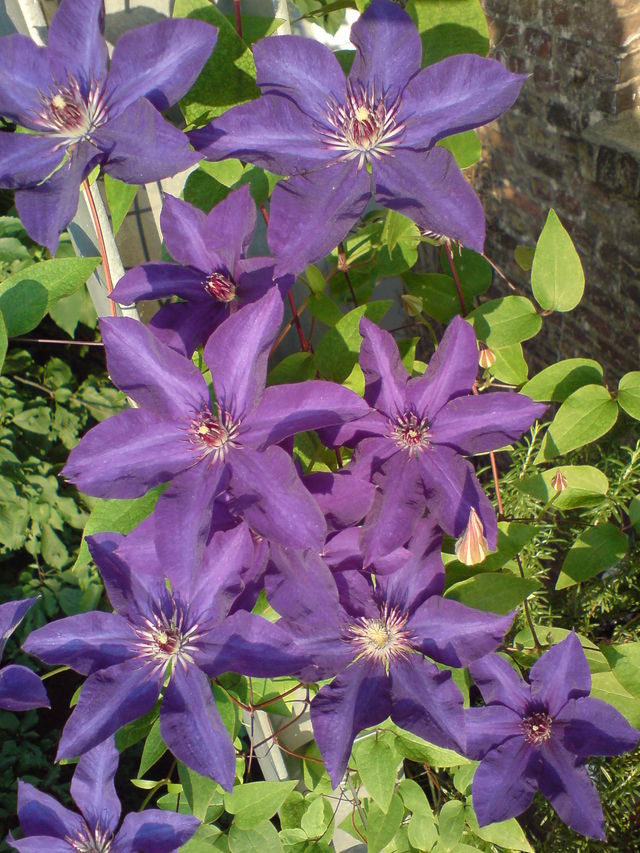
{"points": [[343, 266], [103, 251], [456, 278], [494, 472], [54, 341], [283, 333], [304, 343], [236, 9], [527, 612], [276, 698]]}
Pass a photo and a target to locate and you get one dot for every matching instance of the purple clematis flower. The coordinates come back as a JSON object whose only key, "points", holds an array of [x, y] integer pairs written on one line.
{"points": [[374, 642], [411, 442], [169, 640], [328, 133], [216, 277], [20, 688], [82, 114], [49, 826], [539, 735], [177, 434]]}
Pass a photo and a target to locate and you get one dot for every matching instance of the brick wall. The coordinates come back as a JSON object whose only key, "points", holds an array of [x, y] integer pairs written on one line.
{"points": [[572, 142]]}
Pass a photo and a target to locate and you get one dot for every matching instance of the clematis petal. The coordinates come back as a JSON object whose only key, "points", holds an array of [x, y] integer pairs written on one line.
{"points": [[356, 433], [343, 498], [183, 326], [388, 48], [192, 729], [157, 280], [454, 634], [27, 159], [500, 684], [593, 727], [302, 70], [560, 674], [154, 831], [238, 351], [385, 374], [419, 573], [159, 62], [355, 700], [38, 843], [76, 41], [451, 371], [505, 782], [11, 614], [141, 146], [255, 277], [93, 789], [270, 132], [39, 814], [476, 424], [229, 227], [301, 588], [311, 214], [430, 189], [21, 689], [24, 73], [109, 699], [128, 454], [427, 702], [456, 94], [564, 781], [86, 641], [182, 227], [488, 727]]}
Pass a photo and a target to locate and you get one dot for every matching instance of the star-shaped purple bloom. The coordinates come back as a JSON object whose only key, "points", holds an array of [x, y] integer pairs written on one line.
{"points": [[539, 735], [178, 434], [216, 277], [82, 114], [413, 439], [49, 826], [327, 132], [20, 688], [374, 642], [188, 633]]}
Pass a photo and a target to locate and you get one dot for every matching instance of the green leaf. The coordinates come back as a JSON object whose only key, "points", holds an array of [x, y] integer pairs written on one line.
{"points": [[422, 828], [629, 394], [317, 817], [605, 686], [448, 27], [465, 147], [120, 197], [586, 486], [506, 833], [557, 279], [505, 321], [595, 550], [338, 350], [154, 749], [558, 381], [227, 172], [438, 293], [257, 801], [201, 793], [4, 342], [377, 763], [416, 749], [53, 550], [315, 279], [400, 239], [74, 309], [510, 365], [324, 309], [27, 295], [293, 368], [260, 838], [493, 591], [524, 257], [11, 249], [634, 512], [383, 825], [474, 272], [584, 416], [624, 659], [36, 419], [451, 822]]}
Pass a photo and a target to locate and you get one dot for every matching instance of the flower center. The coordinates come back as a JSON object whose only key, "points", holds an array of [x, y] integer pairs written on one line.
{"points": [[410, 433], [537, 728], [213, 433], [364, 125], [70, 113], [381, 639], [168, 637], [90, 842], [220, 287]]}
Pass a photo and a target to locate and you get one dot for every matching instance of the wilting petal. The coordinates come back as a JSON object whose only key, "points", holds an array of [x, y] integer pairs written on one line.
{"points": [[21, 689], [427, 702], [159, 62], [355, 700], [76, 41], [192, 729], [128, 454], [454, 634], [182, 227], [142, 147], [230, 225], [385, 374], [27, 159], [593, 727], [270, 132], [488, 727], [158, 280], [343, 498], [500, 684], [24, 74], [505, 782], [86, 641], [478, 423], [388, 48], [154, 831], [560, 674], [451, 371], [456, 94], [93, 789], [238, 351], [302, 70], [311, 214], [40, 814], [430, 189], [284, 410], [109, 699], [564, 781], [11, 614]]}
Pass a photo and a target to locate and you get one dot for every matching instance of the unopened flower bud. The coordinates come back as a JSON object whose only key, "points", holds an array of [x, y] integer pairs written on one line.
{"points": [[486, 356], [559, 481], [412, 305], [472, 547]]}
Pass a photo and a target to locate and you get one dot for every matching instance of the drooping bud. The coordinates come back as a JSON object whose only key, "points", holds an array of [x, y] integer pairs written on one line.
{"points": [[486, 356], [472, 547], [559, 481], [412, 305]]}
